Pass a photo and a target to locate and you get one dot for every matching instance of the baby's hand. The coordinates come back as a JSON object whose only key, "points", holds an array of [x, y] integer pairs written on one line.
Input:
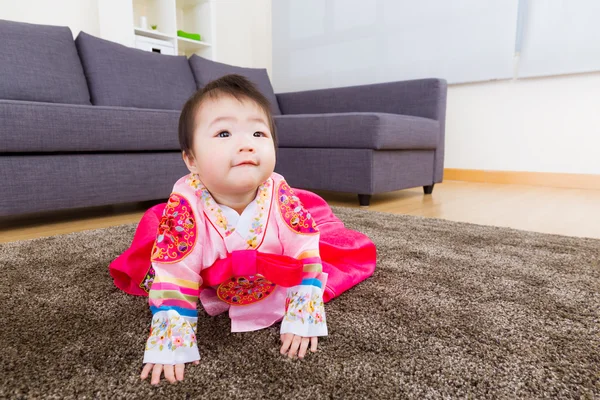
{"points": [[291, 344], [157, 369]]}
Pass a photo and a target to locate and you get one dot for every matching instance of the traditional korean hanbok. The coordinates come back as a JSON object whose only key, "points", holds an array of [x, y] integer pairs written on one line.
{"points": [[280, 260]]}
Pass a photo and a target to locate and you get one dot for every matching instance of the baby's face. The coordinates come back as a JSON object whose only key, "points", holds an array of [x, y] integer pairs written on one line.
{"points": [[233, 146]]}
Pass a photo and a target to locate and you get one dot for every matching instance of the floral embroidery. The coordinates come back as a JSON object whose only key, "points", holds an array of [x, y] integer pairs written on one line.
{"points": [[148, 279], [176, 235], [218, 218], [244, 290], [170, 332], [304, 307], [296, 217], [209, 203], [194, 181], [252, 242], [257, 226]]}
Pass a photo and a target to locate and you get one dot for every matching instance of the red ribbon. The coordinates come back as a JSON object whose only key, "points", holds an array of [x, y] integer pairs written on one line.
{"points": [[281, 270]]}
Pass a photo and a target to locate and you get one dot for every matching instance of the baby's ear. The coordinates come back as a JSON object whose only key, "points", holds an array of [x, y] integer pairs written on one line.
{"points": [[190, 162]]}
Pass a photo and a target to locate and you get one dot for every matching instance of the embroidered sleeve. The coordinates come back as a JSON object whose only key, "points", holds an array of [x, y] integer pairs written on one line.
{"points": [[177, 229], [304, 307], [293, 213], [175, 286]]}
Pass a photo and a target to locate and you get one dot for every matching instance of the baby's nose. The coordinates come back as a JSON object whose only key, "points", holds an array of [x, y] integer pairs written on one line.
{"points": [[246, 145]]}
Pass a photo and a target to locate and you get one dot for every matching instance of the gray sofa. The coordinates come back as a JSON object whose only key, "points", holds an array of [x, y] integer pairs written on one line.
{"points": [[90, 122]]}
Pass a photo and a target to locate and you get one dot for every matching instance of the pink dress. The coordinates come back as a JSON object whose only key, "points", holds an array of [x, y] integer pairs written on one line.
{"points": [[280, 260]]}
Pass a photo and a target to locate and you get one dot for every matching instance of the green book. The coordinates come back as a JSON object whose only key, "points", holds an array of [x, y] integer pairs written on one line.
{"points": [[187, 35]]}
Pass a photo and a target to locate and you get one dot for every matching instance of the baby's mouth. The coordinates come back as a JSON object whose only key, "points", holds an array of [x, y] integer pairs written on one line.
{"points": [[247, 163]]}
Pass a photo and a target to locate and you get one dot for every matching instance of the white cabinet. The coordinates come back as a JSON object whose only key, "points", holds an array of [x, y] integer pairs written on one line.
{"points": [[155, 45]]}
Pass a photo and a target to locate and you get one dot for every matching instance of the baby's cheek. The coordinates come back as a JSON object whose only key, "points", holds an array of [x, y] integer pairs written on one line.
{"points": [[211, 156]]}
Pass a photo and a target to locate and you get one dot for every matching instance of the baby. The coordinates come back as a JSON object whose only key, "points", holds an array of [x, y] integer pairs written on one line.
{"points": [[233, 234]]}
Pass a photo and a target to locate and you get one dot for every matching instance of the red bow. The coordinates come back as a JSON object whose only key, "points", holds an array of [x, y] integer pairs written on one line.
{"points": [[281, 270]]}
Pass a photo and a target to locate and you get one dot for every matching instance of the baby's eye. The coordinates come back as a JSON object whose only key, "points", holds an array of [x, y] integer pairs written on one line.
{"points": [[224, 134], [259, 134]]}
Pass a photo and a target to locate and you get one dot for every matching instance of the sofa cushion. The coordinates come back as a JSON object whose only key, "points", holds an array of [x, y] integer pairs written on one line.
{"points": [[40, 63], [361, 130], [207, 70], [33, 127], [123, 76], [38, 183]]}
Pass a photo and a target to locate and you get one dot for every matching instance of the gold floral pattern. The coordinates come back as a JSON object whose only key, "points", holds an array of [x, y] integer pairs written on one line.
{"points": [[257, 227], [210, 204]]}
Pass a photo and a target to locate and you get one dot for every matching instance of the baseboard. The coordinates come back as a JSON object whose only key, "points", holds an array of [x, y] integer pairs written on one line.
{"points": [[574, 181]]}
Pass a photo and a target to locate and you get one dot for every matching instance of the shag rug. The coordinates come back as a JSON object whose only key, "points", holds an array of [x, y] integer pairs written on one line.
{"points": [[453, 310]]}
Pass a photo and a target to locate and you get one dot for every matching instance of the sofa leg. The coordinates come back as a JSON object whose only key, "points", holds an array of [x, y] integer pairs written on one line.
{"points": [[429, 188], [364, 199]]}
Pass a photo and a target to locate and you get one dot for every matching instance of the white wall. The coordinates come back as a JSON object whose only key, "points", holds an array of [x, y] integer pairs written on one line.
{"points": [[327, 43], [538, 125], [76, 14], [549, 124], [114, 21], [244, 33]]}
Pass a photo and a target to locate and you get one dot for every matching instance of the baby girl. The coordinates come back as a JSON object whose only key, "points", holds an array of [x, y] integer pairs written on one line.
{"points": [[236, 236]]}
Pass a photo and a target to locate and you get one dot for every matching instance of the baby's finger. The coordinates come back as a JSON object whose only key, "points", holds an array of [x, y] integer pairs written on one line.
{"points": [[303, 347], [287, 341], [156, 371], [196, 362], [313, 343], [286, 336], [179, 368], [295, 344], [146, 370], [169, 374]]}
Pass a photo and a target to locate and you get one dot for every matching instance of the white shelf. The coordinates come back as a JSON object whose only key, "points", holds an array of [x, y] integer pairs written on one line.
{"points": [[169, 16], [191, 45], [153, 34]]}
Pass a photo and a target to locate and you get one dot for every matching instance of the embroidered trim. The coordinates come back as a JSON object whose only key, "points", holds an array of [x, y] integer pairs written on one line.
{"points": [[245, 290], [148, 280], [176, 235], [296, 217], [215, 212], [304, 308], [170, 332], [217, 217], [257, 228]]}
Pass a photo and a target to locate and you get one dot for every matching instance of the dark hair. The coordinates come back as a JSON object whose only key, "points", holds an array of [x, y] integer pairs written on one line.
{"points": [[233, 85]]}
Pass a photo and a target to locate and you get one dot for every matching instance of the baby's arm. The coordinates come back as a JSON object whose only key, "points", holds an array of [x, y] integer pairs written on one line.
{"points": [[174, 293], [173, 301], [304, 318]]}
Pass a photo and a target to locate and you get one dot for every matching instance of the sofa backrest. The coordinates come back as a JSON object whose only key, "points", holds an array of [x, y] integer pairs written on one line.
{"points": [[40, 63], [207, 70], [118, 75]]}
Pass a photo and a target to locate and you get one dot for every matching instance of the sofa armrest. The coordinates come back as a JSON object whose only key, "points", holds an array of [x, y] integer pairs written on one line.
{"points": [[421, 98]]}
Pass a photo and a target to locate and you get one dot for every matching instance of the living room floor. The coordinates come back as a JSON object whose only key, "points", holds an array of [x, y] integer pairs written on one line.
{"points": [[571, 212]]}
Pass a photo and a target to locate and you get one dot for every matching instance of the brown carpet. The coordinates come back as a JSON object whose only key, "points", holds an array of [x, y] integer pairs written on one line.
{"points": [[453, 310]]}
